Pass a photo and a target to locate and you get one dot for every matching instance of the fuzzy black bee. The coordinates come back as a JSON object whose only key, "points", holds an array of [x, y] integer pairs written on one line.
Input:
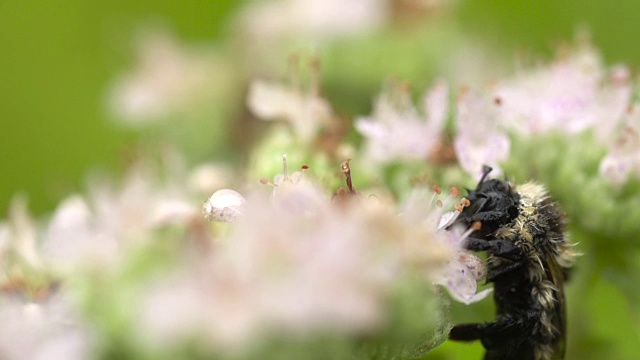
{"points": [[523, 231]]}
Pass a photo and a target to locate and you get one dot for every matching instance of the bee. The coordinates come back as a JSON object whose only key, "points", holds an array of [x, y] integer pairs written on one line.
{"points": [[523, 232]]}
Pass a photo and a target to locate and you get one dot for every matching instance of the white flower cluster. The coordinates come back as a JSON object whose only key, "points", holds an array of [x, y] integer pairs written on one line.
{"points": [[301, 261], [574, 95], [41, 263], [296, 259]]}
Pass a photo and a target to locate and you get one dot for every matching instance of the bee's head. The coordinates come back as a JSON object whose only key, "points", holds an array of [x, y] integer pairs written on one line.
{"points": [[493, 203]]}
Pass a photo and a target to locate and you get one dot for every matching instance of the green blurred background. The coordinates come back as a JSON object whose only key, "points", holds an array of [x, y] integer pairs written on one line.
{"points": [[58, 58]]}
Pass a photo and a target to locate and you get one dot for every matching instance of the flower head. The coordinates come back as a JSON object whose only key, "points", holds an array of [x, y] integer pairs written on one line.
{"points": [[623, 159], [463, 270], [397, 131], [305, 111], [316, 19], [169, 79], [46, 328], [569, 95], [101, 228], [479, 141]]}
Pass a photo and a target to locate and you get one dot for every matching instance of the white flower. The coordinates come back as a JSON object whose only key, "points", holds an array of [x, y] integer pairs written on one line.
{"points": [[306, 112], [100, 230], [397, 131], [463, 270], [478, 140], [45, 329], [623, 159], [169, 79], [569, 95], [293, 272], [74, 238], [316, 19], [281, 270], [295, 192], [208, 177], [20, 235]]}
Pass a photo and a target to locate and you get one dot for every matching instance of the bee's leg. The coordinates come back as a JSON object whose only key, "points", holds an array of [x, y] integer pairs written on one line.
{"points": [[467, 332], [499, 330], [488, 216], [497, 272], [497, 247]]}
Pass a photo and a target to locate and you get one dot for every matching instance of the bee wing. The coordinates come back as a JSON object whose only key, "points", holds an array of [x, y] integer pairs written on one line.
{"points": [[555, 274]]}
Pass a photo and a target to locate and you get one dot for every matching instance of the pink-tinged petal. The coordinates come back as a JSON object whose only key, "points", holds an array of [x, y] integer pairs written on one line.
{"points": [[473, 155], [479, 141], [318, 20], [447, 219], [570, 95], [398, 131], [76, 237], [169, 79], [623, 159], [269, 101], [306, 112], [436, 105], [370, 128], [616, 169], [23, 232], [459, 278]]}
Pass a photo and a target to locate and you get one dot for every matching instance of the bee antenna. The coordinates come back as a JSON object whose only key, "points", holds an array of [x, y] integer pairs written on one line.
{"points": [[485, 171]]}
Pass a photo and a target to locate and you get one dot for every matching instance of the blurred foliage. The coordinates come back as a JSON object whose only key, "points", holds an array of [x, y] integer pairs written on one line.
{"points": [[58, 57]]}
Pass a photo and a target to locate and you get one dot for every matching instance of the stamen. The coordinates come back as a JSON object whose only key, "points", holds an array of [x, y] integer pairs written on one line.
{"points": [[347, 173], [453, 193], [285, 166], [476, 226], [314, 66], [264, 181], [439, 203], [436, 191]]}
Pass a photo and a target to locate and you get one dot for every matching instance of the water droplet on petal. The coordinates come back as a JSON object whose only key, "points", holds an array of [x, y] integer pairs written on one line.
{"points": [[224, 205]]}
